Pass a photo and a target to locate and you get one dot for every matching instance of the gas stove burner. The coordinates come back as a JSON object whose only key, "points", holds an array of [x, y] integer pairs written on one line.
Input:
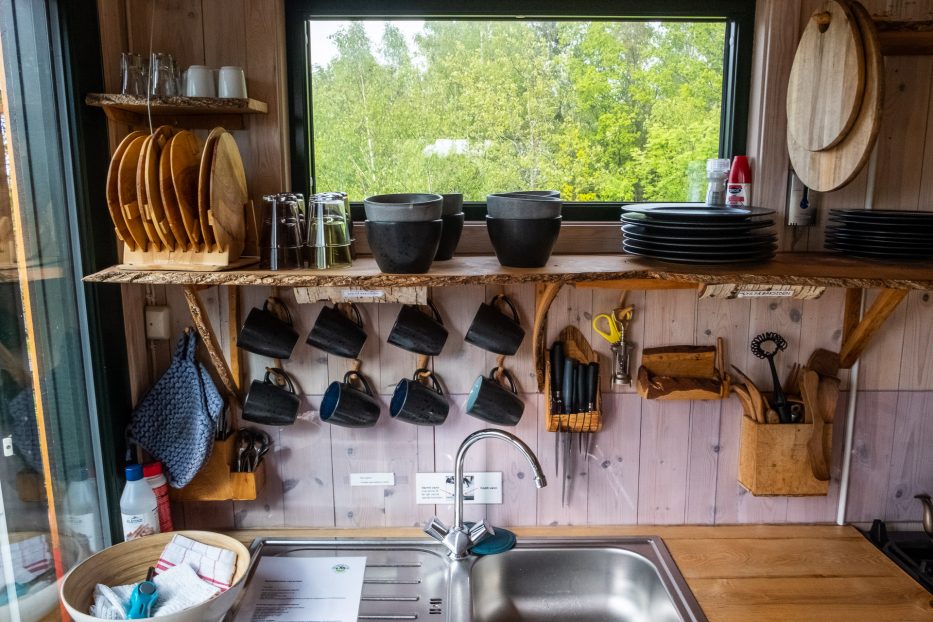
{"points": [[911, 550]]}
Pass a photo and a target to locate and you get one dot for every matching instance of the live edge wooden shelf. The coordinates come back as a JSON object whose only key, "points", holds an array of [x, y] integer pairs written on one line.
{"points": [[612, 271], [819, 269], [190, 112]]}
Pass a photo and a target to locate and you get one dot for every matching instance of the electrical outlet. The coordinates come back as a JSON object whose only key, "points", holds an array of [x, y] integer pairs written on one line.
{"points": [[158, 323], [7, 446]]}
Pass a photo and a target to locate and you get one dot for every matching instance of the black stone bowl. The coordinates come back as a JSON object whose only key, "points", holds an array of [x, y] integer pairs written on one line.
{"points": [[404, 247], [450, 236], [523, 243]]}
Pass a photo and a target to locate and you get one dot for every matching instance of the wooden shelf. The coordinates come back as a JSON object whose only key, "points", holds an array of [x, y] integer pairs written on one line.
{"points": [[819, 269], [191, 112]]}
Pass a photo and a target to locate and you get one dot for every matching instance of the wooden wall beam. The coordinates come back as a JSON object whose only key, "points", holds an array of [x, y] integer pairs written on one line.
{"points": [[873, 319], [852, 312]]}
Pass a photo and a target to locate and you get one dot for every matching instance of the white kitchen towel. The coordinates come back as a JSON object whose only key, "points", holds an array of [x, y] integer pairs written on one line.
{"points": [[213, 564], [30, 557], [178, 589]]}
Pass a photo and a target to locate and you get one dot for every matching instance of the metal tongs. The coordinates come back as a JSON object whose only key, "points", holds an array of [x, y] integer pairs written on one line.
{"points": [[252, 445]]}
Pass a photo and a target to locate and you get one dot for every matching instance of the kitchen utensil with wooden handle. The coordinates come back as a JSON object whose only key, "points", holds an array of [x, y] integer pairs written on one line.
{"points": [[766, 346], [758, 402], [809, 390]]}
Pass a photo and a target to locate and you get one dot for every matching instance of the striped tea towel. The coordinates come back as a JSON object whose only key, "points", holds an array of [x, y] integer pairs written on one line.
{"points": [[213, 564]]}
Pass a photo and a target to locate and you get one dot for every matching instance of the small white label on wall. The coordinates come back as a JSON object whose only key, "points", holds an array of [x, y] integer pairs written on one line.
{"points": [[372, 479], [478, 488], [770, 293]]}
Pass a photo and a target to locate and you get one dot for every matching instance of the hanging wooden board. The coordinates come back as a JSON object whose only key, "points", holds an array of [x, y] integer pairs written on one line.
{"points": [[186, 162], [170, 199], [228, 195], [827, 80], [833, 168], [113, 190], [126, 190]]}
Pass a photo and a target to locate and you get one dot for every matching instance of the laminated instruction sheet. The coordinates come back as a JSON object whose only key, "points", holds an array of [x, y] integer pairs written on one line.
{"points": [[304, 589]]}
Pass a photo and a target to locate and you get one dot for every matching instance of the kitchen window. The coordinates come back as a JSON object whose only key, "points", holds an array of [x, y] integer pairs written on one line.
{"points": [[606, 108]]}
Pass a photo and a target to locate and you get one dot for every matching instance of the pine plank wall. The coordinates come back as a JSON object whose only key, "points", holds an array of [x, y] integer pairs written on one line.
{"points": [[653, 462]]}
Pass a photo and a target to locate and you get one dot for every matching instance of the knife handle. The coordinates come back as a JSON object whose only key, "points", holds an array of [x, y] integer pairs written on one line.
{"points": [[581, 388], [557, 371], [567, 382], [592, 385]]}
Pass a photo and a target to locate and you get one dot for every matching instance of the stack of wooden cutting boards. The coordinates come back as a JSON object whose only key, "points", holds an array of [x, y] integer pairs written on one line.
{"points": [[176, 204], [834, 95]]}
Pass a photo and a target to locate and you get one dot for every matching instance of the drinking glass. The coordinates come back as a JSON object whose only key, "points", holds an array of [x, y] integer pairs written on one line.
{"points": [[163, 81]]}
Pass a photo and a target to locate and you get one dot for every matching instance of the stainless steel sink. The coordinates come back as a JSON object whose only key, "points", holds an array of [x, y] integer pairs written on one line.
{"points": [[595, 583], [606, 580]]}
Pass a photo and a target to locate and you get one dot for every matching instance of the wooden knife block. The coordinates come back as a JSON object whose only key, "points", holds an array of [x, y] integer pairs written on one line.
{"points": [[216, 482], [577, 348], [773, 459]]}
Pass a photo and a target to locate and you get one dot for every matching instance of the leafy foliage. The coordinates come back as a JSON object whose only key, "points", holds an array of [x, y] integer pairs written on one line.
{"points": [[602, 111]]}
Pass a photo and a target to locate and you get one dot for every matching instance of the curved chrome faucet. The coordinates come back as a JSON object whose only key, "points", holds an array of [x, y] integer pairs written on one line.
{"points": [[458, 539]]}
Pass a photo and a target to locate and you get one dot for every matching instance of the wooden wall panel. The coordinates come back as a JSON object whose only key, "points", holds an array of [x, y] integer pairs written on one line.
{"points": [[653, 462]]}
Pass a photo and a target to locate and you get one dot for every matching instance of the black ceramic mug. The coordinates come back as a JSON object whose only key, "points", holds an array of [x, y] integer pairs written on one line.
{"points": [[345, 405], [272, 400], [335, 333], [418, 332], [418, 403], [493, 402], [264, 333], [495, 331]]}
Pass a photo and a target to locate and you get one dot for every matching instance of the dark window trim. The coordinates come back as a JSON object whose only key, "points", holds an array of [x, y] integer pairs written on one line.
{"points": [[740, 15]]}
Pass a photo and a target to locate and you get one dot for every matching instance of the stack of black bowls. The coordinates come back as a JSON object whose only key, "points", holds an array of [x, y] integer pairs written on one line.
{"points": [[523, 226], [407, 232]]}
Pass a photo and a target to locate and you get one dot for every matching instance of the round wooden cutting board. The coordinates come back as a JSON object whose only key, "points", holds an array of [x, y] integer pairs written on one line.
{"points": [[170, 200], [204, 186], [827, 80], [228, 195], [835, 167], [113, 191], [157, 142], [186, 161], [145, 214], [126, 190]]}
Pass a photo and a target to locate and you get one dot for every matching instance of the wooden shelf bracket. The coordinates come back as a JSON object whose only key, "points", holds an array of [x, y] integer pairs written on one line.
{"points": [[544, 295], [203, 324], [858, 333]]}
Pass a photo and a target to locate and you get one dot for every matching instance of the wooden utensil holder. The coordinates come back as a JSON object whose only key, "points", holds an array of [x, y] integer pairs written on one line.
{"points": [[773, 459], [577, 348], [217, 482]]}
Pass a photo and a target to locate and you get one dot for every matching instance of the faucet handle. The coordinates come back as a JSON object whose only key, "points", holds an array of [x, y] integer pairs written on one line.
{"points": [[436, 529], [480, 531]]}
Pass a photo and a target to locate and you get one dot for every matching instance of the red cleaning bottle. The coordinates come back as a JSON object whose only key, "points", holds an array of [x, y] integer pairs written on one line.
{"points": [[739, 187]]}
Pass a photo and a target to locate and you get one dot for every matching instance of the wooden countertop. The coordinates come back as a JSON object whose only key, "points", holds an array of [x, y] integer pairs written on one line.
{"points": [[759, 573]]}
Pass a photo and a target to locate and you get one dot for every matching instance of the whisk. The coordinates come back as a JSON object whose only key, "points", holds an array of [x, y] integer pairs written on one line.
{"points": [[766, 346]]}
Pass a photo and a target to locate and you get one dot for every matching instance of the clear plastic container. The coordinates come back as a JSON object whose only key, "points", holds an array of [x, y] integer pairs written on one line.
{"points": [[156, 480], [717, 174]]}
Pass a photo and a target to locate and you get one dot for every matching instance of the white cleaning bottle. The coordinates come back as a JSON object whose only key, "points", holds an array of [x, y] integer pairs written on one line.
{"points": [[138, 505]]}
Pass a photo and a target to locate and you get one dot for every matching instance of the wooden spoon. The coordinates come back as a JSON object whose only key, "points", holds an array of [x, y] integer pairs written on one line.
{"points": [[759, 404], [809, 389]]}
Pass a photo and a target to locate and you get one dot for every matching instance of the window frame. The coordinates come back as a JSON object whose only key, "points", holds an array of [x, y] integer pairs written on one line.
{"points": [[737, 55]]}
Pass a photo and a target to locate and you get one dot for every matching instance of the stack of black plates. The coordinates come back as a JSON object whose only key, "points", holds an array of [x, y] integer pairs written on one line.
{"points": [[692, 233], [881, 234]]}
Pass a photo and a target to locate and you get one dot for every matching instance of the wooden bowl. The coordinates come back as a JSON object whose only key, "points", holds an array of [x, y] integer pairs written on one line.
{"points": [[128, 562]]}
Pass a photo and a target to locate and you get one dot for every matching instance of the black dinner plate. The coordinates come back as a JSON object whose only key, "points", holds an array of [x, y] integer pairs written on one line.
{"points": [[693, 243], [886, 226], [694, 211], [880, 245], [879, 236], [883, 215], [693, 234], [699, 252], [870, 252], [696, 225], [761, 258]]}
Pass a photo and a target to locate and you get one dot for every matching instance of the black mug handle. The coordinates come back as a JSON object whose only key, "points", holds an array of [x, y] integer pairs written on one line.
{"points": [[279, 305], [435, 312], [278, 372], [505, 299], [427, 373], [508, 376], [355, 374], [356, 312]]}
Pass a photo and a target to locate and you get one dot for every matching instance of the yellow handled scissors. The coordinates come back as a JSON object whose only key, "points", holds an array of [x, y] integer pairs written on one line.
{"points": [[614, 322]]}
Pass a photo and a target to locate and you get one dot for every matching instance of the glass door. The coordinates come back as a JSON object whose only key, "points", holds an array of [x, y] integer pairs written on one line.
{"points": [[51, 515]]}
